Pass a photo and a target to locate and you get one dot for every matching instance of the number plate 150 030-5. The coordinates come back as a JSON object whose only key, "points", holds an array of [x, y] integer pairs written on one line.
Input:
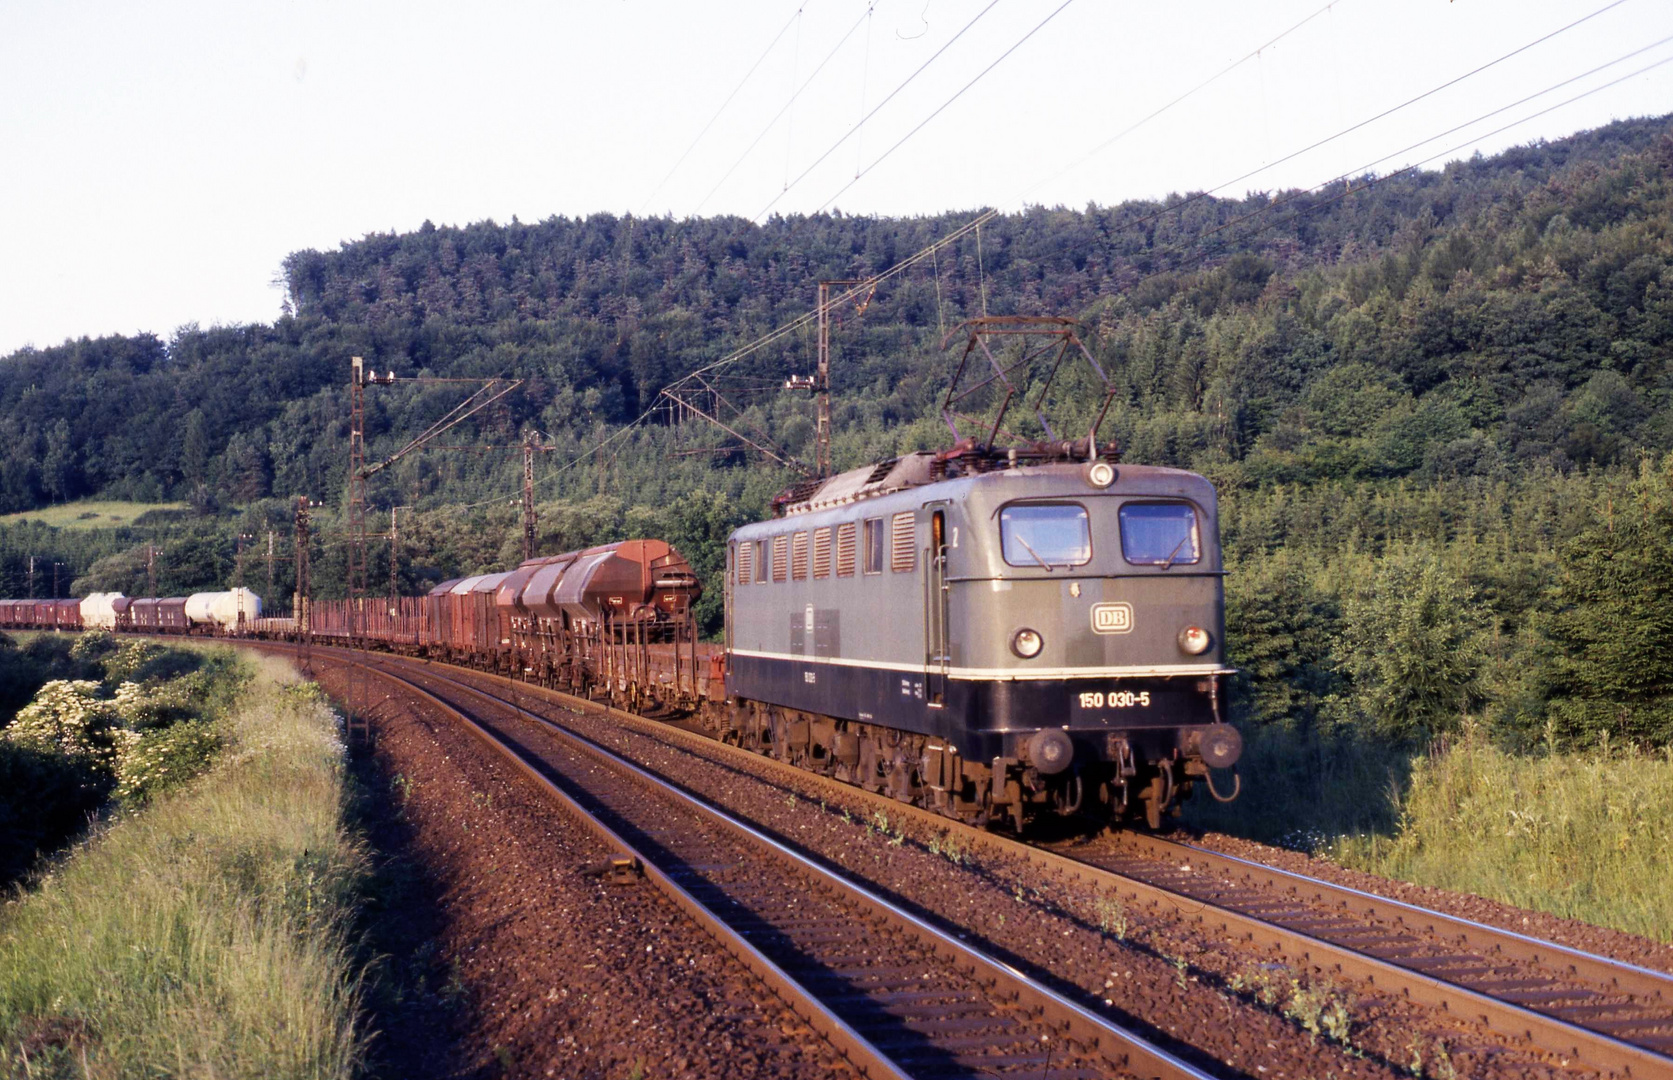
{"points": [[1113, 705]]}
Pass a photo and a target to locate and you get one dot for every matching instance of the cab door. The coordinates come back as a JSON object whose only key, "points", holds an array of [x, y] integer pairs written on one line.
{"points": [[726, 596], [936, 653]]}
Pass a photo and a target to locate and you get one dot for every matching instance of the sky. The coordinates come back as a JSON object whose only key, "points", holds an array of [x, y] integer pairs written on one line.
{"points": [[158, 161]]}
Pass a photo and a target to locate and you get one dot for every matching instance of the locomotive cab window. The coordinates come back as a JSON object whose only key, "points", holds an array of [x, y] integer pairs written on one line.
{"points": [[760, 561], [1160, 534], [1048, 535]]}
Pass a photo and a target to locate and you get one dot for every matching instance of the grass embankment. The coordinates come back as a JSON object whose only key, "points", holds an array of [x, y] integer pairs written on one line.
{"points": [[204, 935], [91, 513], [1586, 834]]}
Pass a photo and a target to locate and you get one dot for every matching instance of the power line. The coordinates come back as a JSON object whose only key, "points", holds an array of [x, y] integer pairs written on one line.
{"points": [[1165, 210], [758, 61], [862, 122], [1474, 139], [952, 99], [750, 348], [1214, 78], [1391, 111], [929, 251], [771, 123]]}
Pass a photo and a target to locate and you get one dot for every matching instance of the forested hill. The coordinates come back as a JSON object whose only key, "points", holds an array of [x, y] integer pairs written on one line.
{"points": [[1506, 311]]}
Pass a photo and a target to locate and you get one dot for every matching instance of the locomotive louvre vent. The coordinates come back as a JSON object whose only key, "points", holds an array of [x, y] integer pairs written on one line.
{"points": [[822, 552], [781, 559], [798, 556], [846, 546], [903, 542], [744, 567]]}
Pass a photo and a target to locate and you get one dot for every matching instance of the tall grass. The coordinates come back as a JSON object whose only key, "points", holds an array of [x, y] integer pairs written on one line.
{"points": [[204, 936], [1584, 835]]}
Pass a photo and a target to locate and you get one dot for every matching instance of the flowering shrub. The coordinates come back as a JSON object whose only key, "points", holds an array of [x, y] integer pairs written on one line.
{"points": [[153, 761], [67, 718], [93, 644], [157, 704], [147, 737], [132, 656]]}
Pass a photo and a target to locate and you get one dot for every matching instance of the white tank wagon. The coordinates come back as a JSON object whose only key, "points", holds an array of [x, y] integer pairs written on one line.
{"points": [[98, 610], [233, 610]]}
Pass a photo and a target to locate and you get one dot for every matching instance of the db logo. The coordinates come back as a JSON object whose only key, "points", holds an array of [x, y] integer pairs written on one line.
{"points": [[1112, 618]]}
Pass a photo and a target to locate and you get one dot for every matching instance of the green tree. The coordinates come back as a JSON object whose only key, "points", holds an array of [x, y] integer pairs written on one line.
{"points": [[58, 463], [1413, 644], [194, 448], [1279, 631], [1610, 629]]}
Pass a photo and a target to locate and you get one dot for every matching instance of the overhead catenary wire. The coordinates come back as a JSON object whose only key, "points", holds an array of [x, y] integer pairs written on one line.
{"points": [[793, 20], [795, 73], [1198, 196], [1194, 90], [865, 76], [945, 104], [1414, 166], [879, 106], [931, 250], [727, 175], [1174, 207]]}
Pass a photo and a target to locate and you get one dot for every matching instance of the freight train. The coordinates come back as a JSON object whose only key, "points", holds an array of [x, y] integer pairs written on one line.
{"points": [[234, 612], [995, 637]]}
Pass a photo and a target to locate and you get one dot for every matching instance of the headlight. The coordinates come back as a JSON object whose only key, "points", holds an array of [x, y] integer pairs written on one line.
{"points": [[1194, 640], [1027, 644], [1100, 474]]}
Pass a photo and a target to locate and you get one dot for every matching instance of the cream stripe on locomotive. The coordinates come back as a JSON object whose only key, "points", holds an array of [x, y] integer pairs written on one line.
{"points": [[1019, 674]]}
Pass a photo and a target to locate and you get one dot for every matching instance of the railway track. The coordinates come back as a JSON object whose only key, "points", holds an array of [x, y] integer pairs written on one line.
{"points": [[899, 996], [1603, 1012], [1586, 1010]]}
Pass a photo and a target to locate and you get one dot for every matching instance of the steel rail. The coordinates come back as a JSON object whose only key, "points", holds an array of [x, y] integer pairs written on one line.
{"points": [[1626, 977], [1574, 1042], [1122, 1048], [859, 1051]]}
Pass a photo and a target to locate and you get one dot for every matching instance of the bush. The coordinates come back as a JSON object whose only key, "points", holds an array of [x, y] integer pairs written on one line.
{"points": [[1414, 646], [68, 719], [164, 758], [93, 645], [45, 800], [70, 748], [1609, 662]]}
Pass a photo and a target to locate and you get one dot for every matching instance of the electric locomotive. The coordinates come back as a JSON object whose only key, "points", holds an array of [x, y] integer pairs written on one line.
{"points": [[988, 635]]}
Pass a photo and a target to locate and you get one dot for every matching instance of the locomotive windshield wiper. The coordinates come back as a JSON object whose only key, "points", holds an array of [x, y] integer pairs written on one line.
{"points": [[1036, 554], [1168, 562]]}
